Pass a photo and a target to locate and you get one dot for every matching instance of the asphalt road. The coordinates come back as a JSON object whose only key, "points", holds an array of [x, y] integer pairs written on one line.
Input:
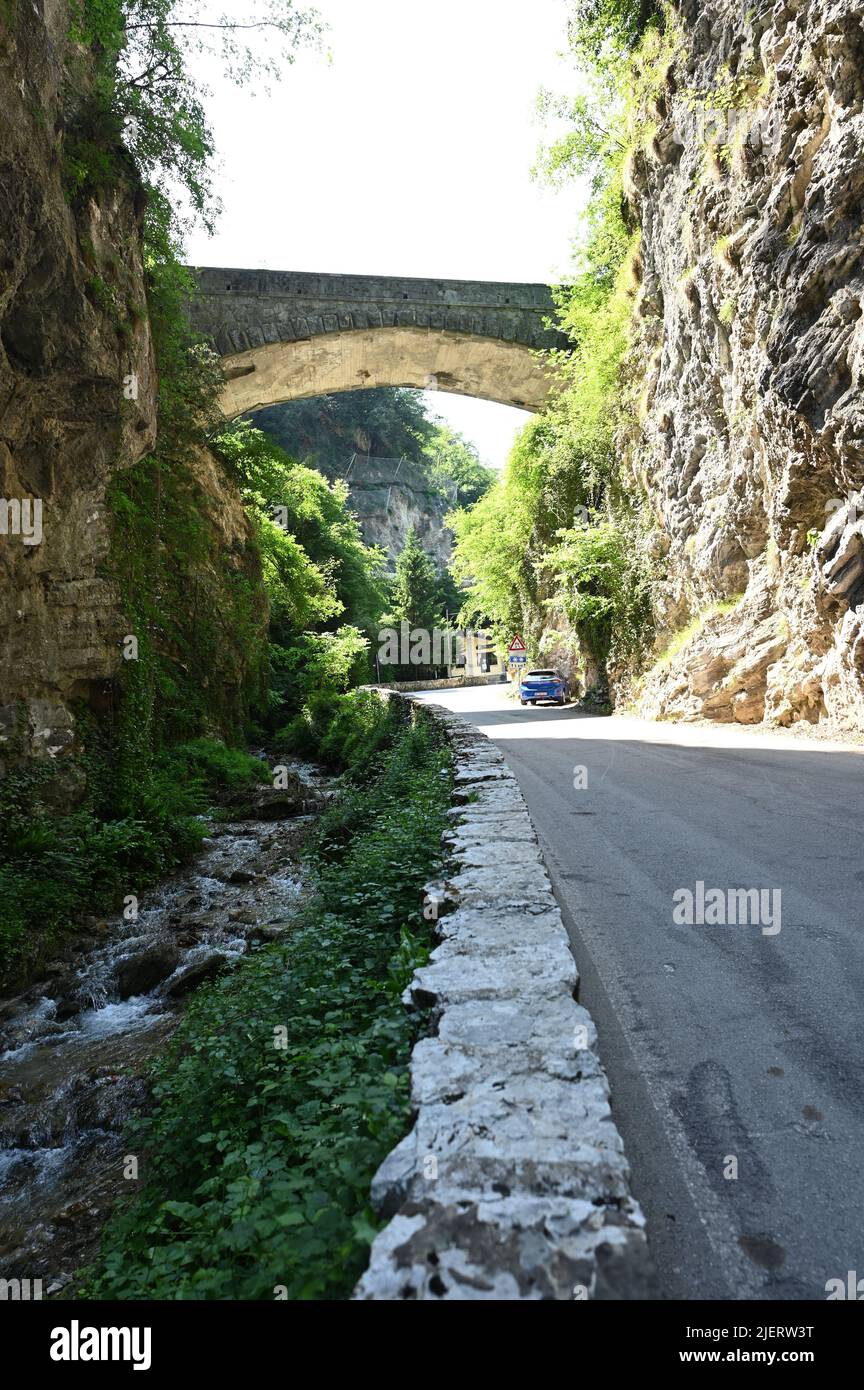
{"points": [[721, 1042]]}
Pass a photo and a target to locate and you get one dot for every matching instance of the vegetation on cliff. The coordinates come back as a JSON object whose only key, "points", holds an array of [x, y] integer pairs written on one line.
{"points": [[563, 531], [251, 602], [198, 578]]}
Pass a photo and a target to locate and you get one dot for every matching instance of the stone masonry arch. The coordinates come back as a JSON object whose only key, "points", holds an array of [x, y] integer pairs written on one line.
{"points": [[283, 336]]}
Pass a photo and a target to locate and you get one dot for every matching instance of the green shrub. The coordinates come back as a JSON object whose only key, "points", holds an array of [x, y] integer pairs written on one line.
{"points": [[216, 766], [346, 731], [602, 587]]}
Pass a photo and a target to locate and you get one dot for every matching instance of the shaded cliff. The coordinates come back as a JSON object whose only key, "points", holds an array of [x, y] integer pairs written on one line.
{"points": [[375, 441], [72, 327], [78, 410]]}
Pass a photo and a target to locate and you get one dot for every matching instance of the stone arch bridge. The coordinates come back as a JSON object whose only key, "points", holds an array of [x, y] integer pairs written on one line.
{"points": [[283, 335]]}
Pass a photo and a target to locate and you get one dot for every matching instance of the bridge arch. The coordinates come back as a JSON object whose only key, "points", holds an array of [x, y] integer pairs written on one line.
{"points": [[283, 336]]}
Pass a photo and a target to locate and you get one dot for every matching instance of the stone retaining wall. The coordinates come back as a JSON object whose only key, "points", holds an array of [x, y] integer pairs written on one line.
{"points": [[513, 1183], [451, 683]]}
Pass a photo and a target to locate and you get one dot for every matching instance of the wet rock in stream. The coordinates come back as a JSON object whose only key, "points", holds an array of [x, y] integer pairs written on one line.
{"points": [[139, 974], [195, 975]]}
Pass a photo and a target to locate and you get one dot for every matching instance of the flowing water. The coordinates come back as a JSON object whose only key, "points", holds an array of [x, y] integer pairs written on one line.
{"points": [[73, 1046]]}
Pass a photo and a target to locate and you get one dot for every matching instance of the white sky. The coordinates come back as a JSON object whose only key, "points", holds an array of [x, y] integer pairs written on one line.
{"points": [[409, 154]]}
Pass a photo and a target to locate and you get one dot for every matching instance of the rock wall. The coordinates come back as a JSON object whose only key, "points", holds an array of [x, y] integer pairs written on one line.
{"points": [[366, 439], [389, 497], [77, 400], [71, 330], [513, 1183], [749, 343]]}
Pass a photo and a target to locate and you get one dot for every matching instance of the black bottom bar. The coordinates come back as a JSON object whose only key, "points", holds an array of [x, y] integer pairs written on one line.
{"points": [[265, 1338]]}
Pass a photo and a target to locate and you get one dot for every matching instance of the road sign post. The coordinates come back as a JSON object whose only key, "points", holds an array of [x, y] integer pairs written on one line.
{"points": [[517, 652]]}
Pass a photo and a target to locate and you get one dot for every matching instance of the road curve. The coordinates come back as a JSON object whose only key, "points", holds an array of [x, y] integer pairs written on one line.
{"points": [[728, 1047]]}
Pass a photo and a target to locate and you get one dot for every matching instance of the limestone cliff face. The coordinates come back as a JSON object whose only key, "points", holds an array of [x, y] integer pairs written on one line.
{"points": [[368, 439], [77, 400], [750, 193], [71, 329], [389, 497]]}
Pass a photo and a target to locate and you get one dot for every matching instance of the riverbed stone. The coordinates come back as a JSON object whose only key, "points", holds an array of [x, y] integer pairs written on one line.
{"points": [[140, 973], [296, 798], [195, 974]]}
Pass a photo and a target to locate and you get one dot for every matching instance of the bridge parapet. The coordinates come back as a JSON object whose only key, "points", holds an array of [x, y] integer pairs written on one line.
{"points": [[240, 310]]}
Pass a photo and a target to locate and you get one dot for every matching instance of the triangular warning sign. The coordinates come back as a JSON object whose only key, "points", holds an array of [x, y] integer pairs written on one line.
{"points": [[517, 645]]}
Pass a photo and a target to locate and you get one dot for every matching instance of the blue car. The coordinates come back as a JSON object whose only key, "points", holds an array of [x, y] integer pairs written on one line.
{"points": [[543, 685]]}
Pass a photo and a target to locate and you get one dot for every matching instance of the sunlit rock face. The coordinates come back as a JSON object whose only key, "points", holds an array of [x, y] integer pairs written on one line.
{"points": [[750, 342], [393, 496]]}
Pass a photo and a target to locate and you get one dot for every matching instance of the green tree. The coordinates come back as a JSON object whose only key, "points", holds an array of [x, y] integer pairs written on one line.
{"points": [[326, 430], [600, 586], [325, 587], [598, 26], [416, 597], [562, 529], [147, 105], [314, 512], [455, 466]]}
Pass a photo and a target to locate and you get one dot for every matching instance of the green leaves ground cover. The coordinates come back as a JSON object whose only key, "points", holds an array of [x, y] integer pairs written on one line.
{"points": [[257, 1159]]}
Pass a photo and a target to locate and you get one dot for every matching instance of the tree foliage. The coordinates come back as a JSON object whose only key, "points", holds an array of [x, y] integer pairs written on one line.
{"points": [[387, 422], [561, 531], [416, 592], [598, 587], [455, 466], [600, 29], [145, 97], [325, 587]]}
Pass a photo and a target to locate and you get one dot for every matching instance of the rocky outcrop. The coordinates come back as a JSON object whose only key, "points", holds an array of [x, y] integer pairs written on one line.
{"points": [[72, 329], [77, 408], [292, 797], [513, 1183], [749, 342], [366, 440], [212, 964], [139, 974], [393, 496]]}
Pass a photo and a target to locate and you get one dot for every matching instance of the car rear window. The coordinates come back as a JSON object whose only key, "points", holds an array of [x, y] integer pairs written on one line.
{"points": [[541, 673]]}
